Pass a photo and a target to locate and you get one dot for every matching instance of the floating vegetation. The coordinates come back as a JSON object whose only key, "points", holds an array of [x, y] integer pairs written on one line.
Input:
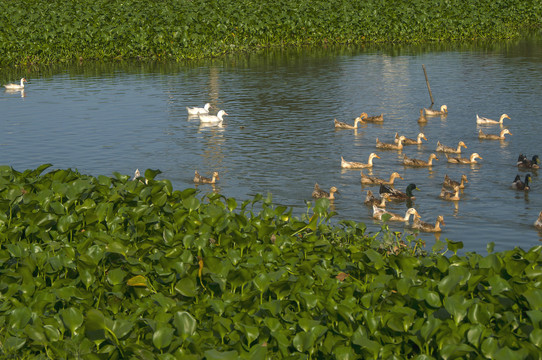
{"points": [[110, 267], [56, 31]]}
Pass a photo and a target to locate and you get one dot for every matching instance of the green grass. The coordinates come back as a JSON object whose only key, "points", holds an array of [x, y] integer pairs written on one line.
{"points": [[54, 31]]}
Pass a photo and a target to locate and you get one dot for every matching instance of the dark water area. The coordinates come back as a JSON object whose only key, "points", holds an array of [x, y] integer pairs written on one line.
{"points": [[279, 137]]}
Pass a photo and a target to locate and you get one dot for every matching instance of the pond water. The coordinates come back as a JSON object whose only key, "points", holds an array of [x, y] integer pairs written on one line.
{"points": [[279, 137]]}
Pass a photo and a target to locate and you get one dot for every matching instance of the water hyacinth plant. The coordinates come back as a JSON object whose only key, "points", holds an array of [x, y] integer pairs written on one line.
{"points": [[110, 267], [55, 31]]}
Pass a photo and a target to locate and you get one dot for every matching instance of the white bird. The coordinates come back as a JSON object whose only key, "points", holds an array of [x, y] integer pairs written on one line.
{"points": [[206, 118], [16, 86], [198, 110], [484, 120], [378, 212]]}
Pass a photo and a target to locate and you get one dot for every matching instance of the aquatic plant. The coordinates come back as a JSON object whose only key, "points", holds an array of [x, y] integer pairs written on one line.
{"points": [[55, 31], [109, 267]]}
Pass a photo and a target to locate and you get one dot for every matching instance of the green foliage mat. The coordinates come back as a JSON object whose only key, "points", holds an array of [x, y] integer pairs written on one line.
{"points": [[113, 267], [39, 31]]}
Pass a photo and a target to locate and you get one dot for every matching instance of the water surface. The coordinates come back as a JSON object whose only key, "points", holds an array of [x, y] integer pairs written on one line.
{"points": [[279, 136]]}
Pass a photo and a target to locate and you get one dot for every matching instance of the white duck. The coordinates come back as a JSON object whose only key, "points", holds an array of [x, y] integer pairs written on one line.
{"points": [[16, 86], [484, 120], [378, 212], [430, 112], [198, 110], [358, 165], [218, 118]]}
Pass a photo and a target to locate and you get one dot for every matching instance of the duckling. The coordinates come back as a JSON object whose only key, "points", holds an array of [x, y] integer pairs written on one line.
{"points": [[358, 165], [378, 212], [431, 112], [419, 163], [447, 195], [458, 160], [398, 146], [520, 185], [373, 180], [343, 125], [449, 183], [523, 162], [367, 118], [398, 195], [486, 121], [538, 222], [205, 180], [422, 119], [371, 200], [408, 141], [318, 193], [481, 135], [423, 226], [449, 149]]}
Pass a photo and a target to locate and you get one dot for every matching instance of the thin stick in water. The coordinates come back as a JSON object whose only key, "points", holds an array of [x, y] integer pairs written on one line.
{"points": [[428, 87]]}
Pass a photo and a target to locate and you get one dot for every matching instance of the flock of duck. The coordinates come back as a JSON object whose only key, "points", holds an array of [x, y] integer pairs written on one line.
{"points": [[450, 188]]}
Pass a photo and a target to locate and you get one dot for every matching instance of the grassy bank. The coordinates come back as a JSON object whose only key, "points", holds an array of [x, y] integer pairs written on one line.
{"points": [[112, 267], [53, 31]]}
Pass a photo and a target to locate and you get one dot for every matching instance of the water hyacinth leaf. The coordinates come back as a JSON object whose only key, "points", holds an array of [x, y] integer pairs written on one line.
{"points": [[454, 246], [536, 318], [534, 297], [116, 276], [453, 351], [20, 317], [52, 333], [457, 306], [151, 174], [375, 259], [13, 343], [191, 203], [218, 355], [186, 287], [163, 336], [256, 352], [36, 334], [185, 324], [138, 280], [95, 324], [536, 337], [72, 318]]}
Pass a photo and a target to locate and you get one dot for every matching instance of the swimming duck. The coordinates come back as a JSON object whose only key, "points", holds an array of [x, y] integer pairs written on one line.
{"points": [[378, 212], [484, 120], [538, 222], [459, 160], [430, 112], [358, 165], [423, 226], [398, 146], [422, 119], [447, 195], [16, 86], [206, 118], [523, 162], [318, 193], [343, 125], [398, 195], [373, 180], [198, 179], [416, 162], [450, 149], [449, 183], [408, 141], [481, 135], [371, 200], [367, 118], [520, 185], [198, 110]]}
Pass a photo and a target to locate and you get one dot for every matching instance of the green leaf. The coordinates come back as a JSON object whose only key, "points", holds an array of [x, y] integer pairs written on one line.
{"points": [[185, 324], [186, 287], [217, 355], [72, 318], [534, 297], [163, 336]]}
